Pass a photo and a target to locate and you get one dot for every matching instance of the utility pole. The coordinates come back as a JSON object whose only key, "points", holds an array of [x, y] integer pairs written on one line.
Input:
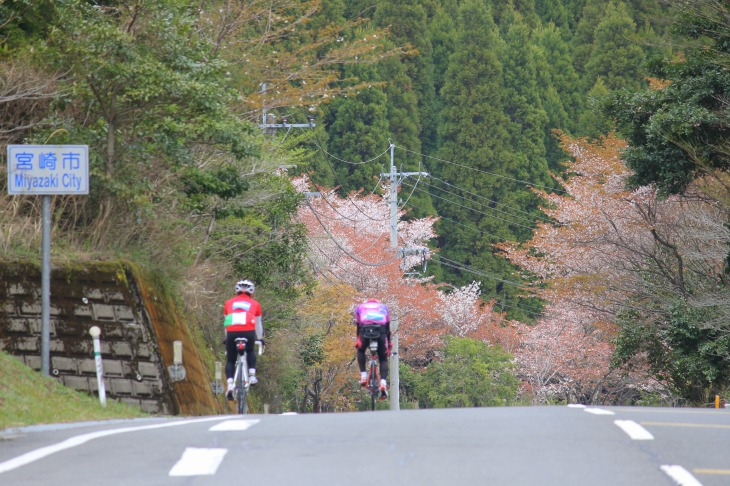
{"points": [[395, 180], [270, 128]]}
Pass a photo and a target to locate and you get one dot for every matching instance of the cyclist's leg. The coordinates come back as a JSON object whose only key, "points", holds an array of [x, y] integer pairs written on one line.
{"points": [[231, 355], [361, 355], [360, 346], [250, 352], [383, 357]]}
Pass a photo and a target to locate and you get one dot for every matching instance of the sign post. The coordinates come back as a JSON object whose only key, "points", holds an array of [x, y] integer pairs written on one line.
{"points": [[47, 170]]}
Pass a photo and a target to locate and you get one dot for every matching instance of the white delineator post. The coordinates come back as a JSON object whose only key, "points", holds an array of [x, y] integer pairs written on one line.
{"points": [[95, 332]]}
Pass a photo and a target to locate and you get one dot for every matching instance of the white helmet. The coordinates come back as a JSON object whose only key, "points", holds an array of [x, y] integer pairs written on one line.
{"points": [[245, 286]]}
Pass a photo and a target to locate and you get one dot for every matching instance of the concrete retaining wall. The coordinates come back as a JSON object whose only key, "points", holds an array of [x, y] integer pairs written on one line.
{"points": [[134, 319]]}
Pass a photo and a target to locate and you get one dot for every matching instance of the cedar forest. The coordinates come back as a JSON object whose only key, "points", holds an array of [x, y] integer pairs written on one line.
{"points": [[563, 230]]}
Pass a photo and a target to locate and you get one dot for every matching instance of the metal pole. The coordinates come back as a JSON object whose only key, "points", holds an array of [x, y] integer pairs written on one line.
{"points": [[394, 364], [46, 287], [263, 91]]}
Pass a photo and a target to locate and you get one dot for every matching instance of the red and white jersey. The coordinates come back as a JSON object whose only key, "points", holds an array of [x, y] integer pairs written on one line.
{"points": [[240, 313]]}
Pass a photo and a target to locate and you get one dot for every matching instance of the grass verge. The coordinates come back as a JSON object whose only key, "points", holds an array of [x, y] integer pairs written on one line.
{"points": [[29, 398]]}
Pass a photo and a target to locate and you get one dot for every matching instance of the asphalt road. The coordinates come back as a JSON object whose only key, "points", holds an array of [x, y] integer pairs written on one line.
{"points": [[486, 446]]}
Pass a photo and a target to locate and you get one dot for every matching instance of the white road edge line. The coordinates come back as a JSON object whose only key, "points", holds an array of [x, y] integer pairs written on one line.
{"points": [[198, 462], [680, 475], [37, 454], [634, 430]]}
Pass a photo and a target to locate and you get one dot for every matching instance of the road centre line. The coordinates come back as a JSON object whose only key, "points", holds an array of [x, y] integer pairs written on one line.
{"points": [[78, 440], [680, 475], [682, 424], [634, 430], [198, 462], [706, 411], [724, 472]]}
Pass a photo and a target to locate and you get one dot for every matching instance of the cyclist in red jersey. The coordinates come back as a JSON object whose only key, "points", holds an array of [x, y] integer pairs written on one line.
{"points": [[372, 311], [242, 319]]}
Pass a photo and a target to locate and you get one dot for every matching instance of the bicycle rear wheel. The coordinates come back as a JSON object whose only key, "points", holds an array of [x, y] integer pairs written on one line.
{"points": [[373, 383], [241, 392]]}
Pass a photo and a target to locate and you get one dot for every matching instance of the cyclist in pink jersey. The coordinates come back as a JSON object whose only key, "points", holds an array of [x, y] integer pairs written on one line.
{"points": [[372, 311]]}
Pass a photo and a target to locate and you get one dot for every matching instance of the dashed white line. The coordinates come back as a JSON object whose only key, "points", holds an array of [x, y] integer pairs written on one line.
{"points": [[198, 462], [598, 411], [680, 475], [634, 430], [230, 425]]}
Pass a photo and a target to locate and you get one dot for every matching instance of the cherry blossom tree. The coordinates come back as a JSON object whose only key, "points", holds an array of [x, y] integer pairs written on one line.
{"points": [[608, 251], [350, 243]]}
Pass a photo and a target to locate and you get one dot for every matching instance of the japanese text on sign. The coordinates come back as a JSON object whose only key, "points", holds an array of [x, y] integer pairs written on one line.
{"points": [[48, 169]]}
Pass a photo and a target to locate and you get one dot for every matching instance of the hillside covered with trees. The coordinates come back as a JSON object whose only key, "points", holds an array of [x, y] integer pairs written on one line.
{"points": [[572, 231]]}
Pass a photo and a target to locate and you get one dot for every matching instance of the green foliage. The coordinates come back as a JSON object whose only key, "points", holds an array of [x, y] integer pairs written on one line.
{"points": [[312, 349], [682, 348], [615, 56], [225, 182], [358, 131], [29, 398], [681, 131], [149, 85], [471, 374]]}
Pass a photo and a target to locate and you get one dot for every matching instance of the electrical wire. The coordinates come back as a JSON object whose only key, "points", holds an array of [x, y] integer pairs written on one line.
{"points": [[480, 197], [483, 205], [414, 186], [476, 210], [318, 144], [379, 264], [546, 188], [461, 266]]}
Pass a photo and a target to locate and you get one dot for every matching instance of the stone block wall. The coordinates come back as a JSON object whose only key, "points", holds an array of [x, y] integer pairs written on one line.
{"points": [[109, 296]]}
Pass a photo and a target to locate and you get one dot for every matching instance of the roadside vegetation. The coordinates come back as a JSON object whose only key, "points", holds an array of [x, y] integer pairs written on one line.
{"points": [[574, 221], [29, 398]]}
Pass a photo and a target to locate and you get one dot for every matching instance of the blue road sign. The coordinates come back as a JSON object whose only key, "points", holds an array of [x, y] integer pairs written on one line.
{"points": [[48, 169]]}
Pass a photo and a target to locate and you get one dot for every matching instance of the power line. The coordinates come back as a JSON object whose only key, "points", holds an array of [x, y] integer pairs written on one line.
{"points": [[476, 210], [487, 207], [546, 188], [339, 183], [479, 196], [380, 264], [461, 266]]}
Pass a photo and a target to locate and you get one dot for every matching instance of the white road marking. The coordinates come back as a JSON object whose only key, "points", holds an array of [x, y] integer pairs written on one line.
{"points": [[198, 462], [576, 405], [598, 411], [234, 425], [680, 475], [36, 454], [634, 430]]}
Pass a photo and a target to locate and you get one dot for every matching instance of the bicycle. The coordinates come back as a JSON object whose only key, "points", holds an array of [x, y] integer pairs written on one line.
{"points": [[372, 332], [241, 378]]}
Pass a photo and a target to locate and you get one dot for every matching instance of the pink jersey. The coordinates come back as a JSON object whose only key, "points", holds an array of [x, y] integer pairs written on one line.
{"points": [[372, 313]]}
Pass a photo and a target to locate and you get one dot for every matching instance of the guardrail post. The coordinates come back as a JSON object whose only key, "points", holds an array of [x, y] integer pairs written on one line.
{"points": [[95, 332]]}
